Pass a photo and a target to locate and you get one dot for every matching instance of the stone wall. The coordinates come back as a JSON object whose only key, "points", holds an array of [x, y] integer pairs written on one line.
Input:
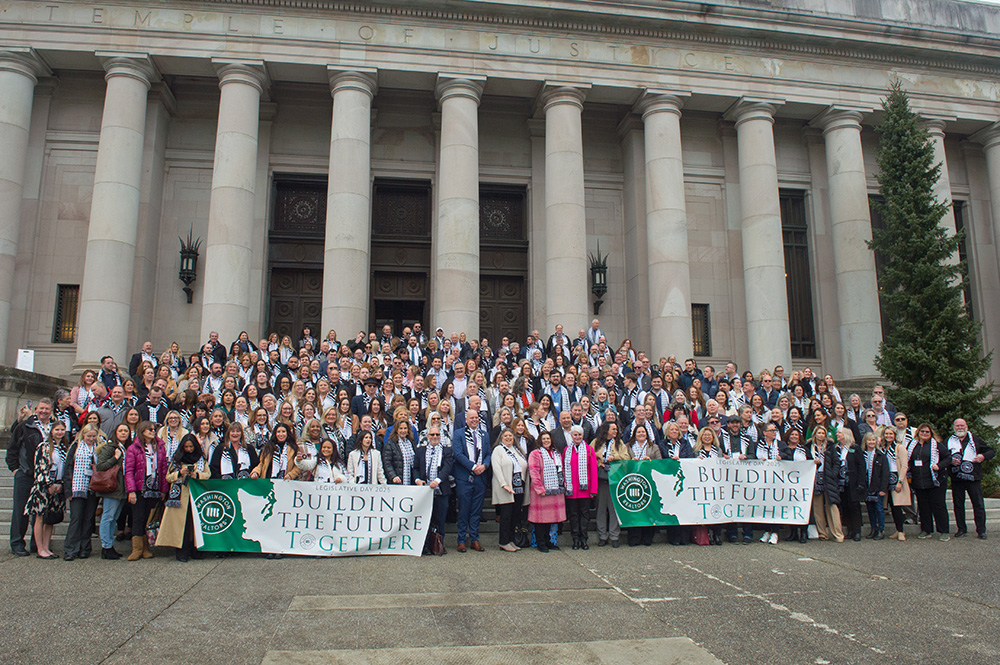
{"points": [[17, 387]]}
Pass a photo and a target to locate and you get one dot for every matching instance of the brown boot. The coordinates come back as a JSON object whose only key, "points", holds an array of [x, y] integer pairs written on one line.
{"points": [[146, 554], [137, 542]]}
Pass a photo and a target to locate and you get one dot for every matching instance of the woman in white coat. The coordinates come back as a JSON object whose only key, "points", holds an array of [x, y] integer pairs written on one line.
{"points": [[510, 487], [364, 464]]}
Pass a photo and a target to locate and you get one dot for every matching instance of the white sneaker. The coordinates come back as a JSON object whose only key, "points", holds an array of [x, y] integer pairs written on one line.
{"points": [[766, 537], [774, 539]]}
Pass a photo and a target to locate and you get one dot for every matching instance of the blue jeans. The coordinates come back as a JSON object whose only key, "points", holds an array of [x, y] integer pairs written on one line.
{"points": [[470, 497], [876, 514], [109, 521]]}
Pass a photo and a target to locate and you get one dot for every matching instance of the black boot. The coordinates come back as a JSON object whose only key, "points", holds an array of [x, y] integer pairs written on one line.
{"points": [[110, 553]]}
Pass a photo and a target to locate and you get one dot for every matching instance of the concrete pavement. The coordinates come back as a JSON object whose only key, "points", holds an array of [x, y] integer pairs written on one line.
{"points": [[869, 602]]}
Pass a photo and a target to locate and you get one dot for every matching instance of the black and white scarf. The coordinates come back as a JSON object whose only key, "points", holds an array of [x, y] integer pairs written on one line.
{"points": [[518, 463], [406, 447], [966, 467], [83, 469], [433, 454], [639, 451], [935, 457], [174, 493], [279, 462], [767, 452], [363, 472], [241, 468], [150, 484], [580, 450], [552, 472], [474, 451]]}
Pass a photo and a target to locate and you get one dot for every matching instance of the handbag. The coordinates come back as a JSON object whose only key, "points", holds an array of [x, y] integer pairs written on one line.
{"points": [[153, 524], [437, 544], [105, 482], [52, 516], [522, 538], [699, 535]]}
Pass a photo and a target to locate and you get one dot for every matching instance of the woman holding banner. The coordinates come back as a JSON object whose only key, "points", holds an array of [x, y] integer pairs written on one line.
{"points": [[580, 465], [708, 446], [364, 464], [233, 458], [511, 487], [608, 448], [548, 504], [176, 527], [642, 450], [276, 454], [793, 449]]}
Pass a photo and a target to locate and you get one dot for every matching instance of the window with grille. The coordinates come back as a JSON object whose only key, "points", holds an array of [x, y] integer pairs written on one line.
{"points": [[701, 330], [64, 327], [798, 280]]}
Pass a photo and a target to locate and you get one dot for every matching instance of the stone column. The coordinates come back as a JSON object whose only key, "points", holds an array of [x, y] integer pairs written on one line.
{"points": [[631, 138], [990, 138], [854, 262], [228, 247], [666, 228], [768, 338], [106, 293], [455, 280], [567, 278], [346, 256], [19, 72], [942, 188]]}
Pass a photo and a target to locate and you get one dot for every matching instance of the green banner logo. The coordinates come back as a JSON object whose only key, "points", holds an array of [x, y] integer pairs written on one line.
{"points": [[217, 512], [634, 493]]}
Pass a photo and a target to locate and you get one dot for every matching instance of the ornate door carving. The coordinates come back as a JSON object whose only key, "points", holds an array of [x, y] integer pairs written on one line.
{"points": [[296, 301]]}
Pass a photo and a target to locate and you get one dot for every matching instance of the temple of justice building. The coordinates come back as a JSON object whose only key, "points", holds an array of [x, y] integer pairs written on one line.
{"points": [[457, 162]]}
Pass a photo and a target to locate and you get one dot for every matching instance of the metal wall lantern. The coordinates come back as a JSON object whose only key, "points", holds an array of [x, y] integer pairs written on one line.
{"points": [[189, 262], [598, 277]]}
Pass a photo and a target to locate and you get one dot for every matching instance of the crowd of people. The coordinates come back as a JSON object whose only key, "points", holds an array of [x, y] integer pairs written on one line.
{"points": [[537, 424]]}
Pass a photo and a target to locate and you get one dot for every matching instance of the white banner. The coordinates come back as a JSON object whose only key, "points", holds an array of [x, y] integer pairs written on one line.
{"points": [[315, 519], [712, 491]]}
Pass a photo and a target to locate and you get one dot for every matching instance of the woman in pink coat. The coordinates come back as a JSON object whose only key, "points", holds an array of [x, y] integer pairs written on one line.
{"points": [[580, 463], [548, 505], [145, 482]]}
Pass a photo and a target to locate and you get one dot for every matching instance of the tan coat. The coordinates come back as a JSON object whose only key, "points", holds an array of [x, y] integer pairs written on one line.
{"points": [[171, 532], [902, 497], [503, 474]]}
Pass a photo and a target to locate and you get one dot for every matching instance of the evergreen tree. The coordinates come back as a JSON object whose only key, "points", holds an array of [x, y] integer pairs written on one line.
{"points": [[932, 354]]}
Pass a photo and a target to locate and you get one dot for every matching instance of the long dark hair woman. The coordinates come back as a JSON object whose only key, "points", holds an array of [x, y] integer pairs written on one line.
{"points": [[276, 453], [146, 483], [176, 527], [928, 456]]}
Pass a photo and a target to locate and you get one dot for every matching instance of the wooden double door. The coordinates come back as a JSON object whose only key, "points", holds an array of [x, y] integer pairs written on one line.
{"points": [[502, 310], [296, 302]]}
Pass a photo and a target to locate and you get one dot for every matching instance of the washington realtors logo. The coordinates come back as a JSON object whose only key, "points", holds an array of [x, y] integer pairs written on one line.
{"points": [[217, 511], [634, 493]]}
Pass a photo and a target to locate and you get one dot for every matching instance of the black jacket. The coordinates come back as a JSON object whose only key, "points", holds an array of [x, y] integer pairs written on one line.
{"points": [[879, 480], [856, 477], [392, 460], [25, 437], [215, 464], [420, 467], [982, 448]]}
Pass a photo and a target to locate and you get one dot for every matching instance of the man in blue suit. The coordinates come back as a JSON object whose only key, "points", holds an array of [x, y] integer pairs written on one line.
{"points": [[471, 448]]}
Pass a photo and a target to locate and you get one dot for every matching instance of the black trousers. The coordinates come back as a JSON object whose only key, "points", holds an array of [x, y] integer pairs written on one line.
{"points": [[578, 514], [18, 520], [140, 513], [850, 515], [438, 513], [510, 515], [898, 516], [81, 520], [641, 535], [974, 488], [932, 509], [678, 535]]}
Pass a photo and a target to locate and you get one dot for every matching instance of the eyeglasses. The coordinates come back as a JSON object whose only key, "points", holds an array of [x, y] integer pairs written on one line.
{"points": [[901, 418], [434, 436]]}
